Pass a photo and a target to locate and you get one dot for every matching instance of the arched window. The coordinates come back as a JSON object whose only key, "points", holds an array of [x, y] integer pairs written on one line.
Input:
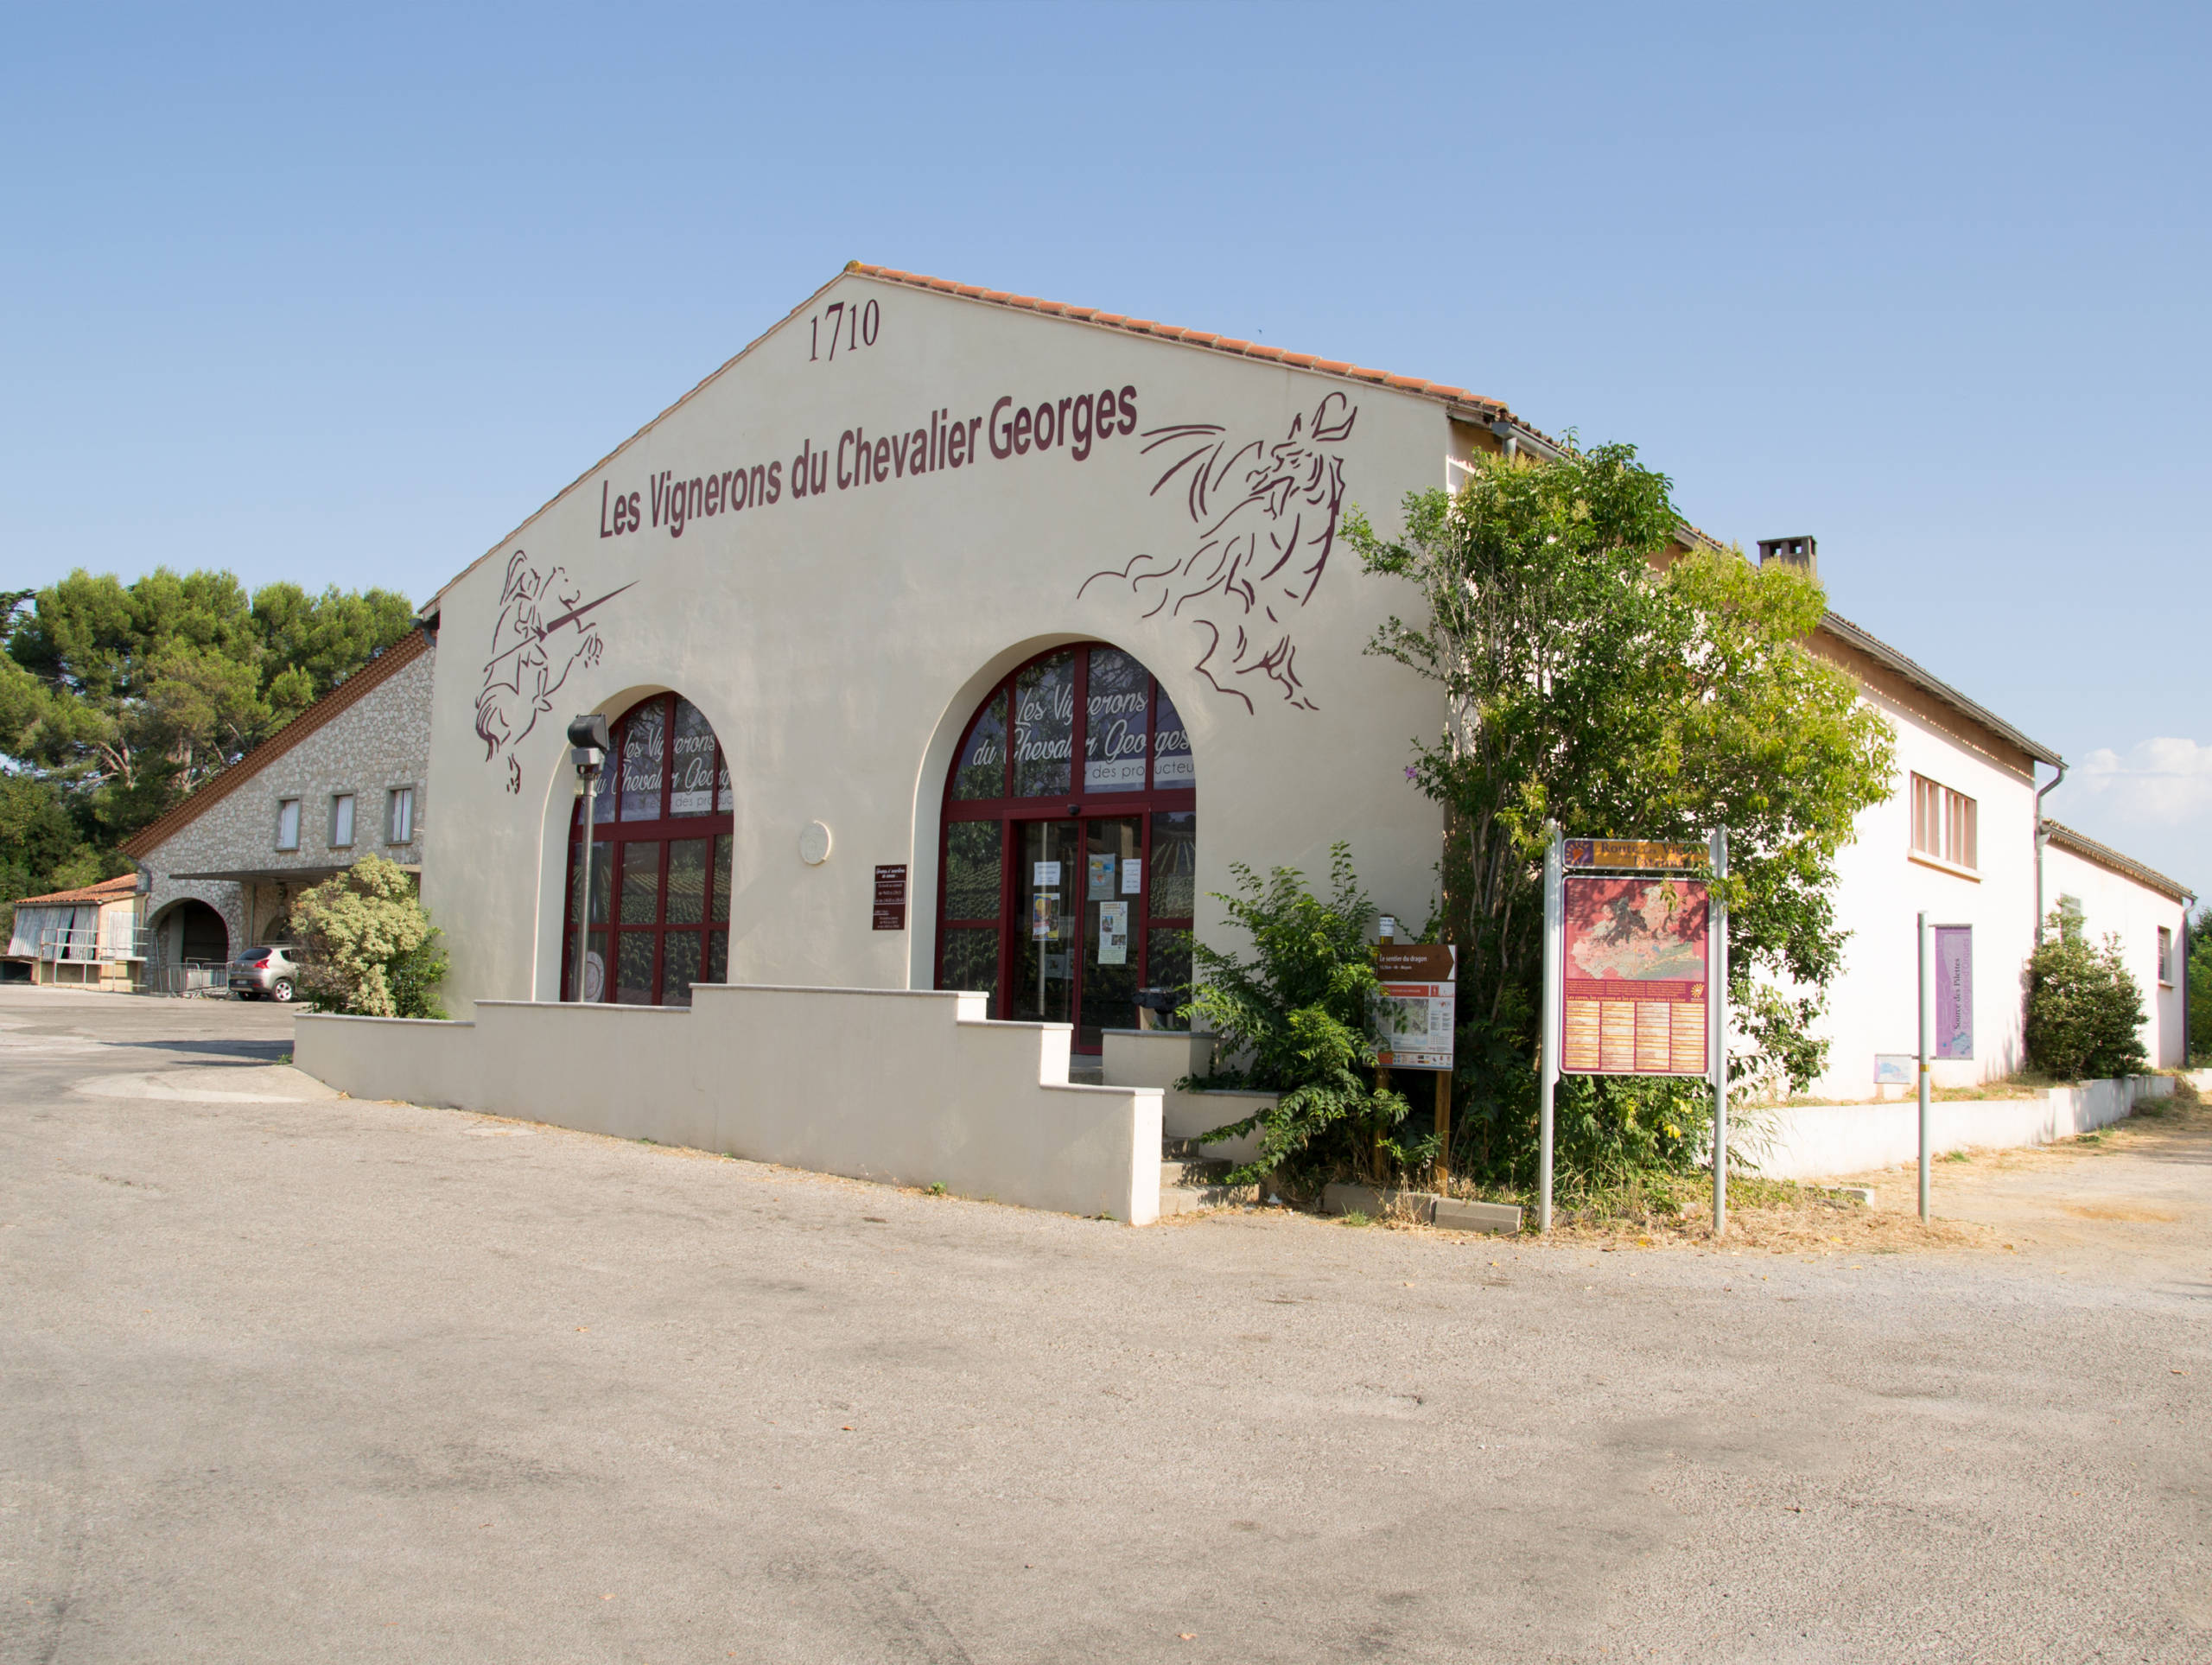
{"points": [[1066, 889], [660, 860]]}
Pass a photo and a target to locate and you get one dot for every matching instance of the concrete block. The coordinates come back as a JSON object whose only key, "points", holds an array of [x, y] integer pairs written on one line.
{"points": [[1418, 1206], [1456, 1214]]}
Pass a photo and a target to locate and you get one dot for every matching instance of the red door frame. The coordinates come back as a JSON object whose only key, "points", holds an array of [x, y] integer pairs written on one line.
{"points": [[1074, 804], [664, 829]]}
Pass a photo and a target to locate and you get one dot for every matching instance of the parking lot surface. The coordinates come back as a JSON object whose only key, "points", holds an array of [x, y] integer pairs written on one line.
{"points": [[288, 1376]]}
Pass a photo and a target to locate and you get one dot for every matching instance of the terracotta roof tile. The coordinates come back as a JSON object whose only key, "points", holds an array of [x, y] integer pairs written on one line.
{"points": [[108, 890], [382, 669]]}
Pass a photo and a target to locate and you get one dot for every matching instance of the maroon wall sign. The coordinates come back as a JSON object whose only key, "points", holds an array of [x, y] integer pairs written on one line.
{"points": [[891, 898]]}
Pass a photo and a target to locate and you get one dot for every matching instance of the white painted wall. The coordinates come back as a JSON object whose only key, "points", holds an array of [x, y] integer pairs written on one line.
{"points": [[907, 1089], [1813, 1141], [839, 642], [1872, 1006], [2114, 904]]}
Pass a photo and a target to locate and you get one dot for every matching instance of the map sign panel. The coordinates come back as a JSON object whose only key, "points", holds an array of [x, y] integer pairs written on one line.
{"points": [[1420, 1005], [1635, 970]]}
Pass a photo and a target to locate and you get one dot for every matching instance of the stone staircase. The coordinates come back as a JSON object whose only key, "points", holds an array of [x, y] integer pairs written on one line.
{"points": [[1190, 1181]]}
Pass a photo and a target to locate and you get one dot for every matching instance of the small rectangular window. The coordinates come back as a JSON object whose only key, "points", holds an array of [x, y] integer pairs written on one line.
{"points": [[2166, 957], [1943, 824], [399, 815], [341, 821], [287, 823]]}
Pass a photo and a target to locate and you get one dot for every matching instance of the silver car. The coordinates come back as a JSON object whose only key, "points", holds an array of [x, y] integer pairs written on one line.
{"points": [[273, 971]]}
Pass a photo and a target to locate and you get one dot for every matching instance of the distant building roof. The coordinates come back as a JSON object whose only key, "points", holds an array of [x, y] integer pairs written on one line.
{"points": [[2105, 856], [117, 889], [378, 671]]}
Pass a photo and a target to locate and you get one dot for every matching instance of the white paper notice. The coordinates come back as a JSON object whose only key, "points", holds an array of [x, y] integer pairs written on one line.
{"points": [[1132, 875], [1047, 876], [1113, 933]]}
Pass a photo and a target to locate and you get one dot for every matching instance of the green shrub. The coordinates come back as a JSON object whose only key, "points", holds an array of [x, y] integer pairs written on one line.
{"points": [[370, 949], [1297, 1017], [2084, 1012]]}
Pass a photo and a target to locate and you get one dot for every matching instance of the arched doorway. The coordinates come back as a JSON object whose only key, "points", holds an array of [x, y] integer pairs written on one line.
{"points": [[190, 932], [1065, 892], [660, 861]]}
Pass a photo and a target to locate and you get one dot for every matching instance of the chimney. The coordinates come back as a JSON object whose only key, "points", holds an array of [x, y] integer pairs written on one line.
{"points": [[1801, 553]]}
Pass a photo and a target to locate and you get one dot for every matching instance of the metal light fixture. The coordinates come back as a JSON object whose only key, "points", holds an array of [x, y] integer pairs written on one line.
{"points": [[588, 742]]}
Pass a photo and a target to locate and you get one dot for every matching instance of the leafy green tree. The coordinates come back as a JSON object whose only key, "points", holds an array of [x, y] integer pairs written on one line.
{"points": [[1594, 675], [370, 949], [128, 696], [2084, 1016], [1297, 1018], [2199, 972]]}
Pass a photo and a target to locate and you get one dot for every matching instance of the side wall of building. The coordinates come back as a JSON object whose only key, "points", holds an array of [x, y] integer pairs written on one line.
{"points": [[1884, 886], [2115, 905], [839, 641], [380, 742]]}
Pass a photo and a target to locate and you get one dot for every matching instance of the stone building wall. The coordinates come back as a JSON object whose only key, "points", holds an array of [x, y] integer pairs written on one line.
{"points": [[379, 742]]}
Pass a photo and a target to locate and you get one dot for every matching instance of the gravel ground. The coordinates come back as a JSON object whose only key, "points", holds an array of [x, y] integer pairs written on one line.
{"points": [[287, 1377]]}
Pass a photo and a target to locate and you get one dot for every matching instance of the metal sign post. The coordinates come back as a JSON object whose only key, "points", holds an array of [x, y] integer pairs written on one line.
{"points": [[1927, 1000], [1717, 989], [1548, 1048], [589, 742]]}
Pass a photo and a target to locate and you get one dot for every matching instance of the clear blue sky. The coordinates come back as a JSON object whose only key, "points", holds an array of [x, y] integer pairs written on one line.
{"points": [[343, 297]]}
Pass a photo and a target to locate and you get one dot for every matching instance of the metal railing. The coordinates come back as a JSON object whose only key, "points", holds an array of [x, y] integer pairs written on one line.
{"points": [[195, 979], [58, 944]]}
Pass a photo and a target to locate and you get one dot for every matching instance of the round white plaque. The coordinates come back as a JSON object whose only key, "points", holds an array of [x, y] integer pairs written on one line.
{"points": [[814, 844]]}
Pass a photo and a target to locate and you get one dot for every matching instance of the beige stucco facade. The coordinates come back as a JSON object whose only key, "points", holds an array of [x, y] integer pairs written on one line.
{"points": [[839, 640]]}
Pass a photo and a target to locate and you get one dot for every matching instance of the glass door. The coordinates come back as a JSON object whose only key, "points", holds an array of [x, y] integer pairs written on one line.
{"points": [[1047, 886], [1113, 889]]}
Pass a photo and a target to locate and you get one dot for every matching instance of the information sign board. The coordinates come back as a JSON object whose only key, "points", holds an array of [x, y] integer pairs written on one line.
{"points": [[1954, 991], [1633, 971], [1419, 1006], [891, 897], [1642, 855]]}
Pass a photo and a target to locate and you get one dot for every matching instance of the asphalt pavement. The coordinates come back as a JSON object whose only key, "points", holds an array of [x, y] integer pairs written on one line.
{"points": [[290, 1376]]}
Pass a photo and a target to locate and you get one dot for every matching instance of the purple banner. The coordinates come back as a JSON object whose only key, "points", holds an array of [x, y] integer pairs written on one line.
{"points": [[1954, 991]]}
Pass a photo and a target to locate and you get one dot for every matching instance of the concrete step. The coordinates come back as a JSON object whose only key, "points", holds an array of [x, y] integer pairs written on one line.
{"points": [[1185, 1199], [1191, 1171]]}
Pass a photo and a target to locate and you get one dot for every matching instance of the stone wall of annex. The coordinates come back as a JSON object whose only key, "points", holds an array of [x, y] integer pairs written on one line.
{"points": [[379, 743]]}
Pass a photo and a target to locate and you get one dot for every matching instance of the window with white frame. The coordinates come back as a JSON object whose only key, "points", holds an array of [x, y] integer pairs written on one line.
{"points": [[1943, 824], [399, 815], [287, 823], [341, 821], [2166, 957]]}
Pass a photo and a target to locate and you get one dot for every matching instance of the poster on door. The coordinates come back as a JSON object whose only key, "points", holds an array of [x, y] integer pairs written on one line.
{"points": [[1101, 887], [1113, 933], [1044, 917]]}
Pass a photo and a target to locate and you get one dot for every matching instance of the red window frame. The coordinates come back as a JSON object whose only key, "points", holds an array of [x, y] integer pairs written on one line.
{"points": [[1072, 804], [662, 830]]}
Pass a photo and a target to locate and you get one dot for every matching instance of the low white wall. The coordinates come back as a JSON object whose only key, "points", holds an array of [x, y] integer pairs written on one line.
{"points": [[1811, 1141], [911, 1087], [1161, 1058]]}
